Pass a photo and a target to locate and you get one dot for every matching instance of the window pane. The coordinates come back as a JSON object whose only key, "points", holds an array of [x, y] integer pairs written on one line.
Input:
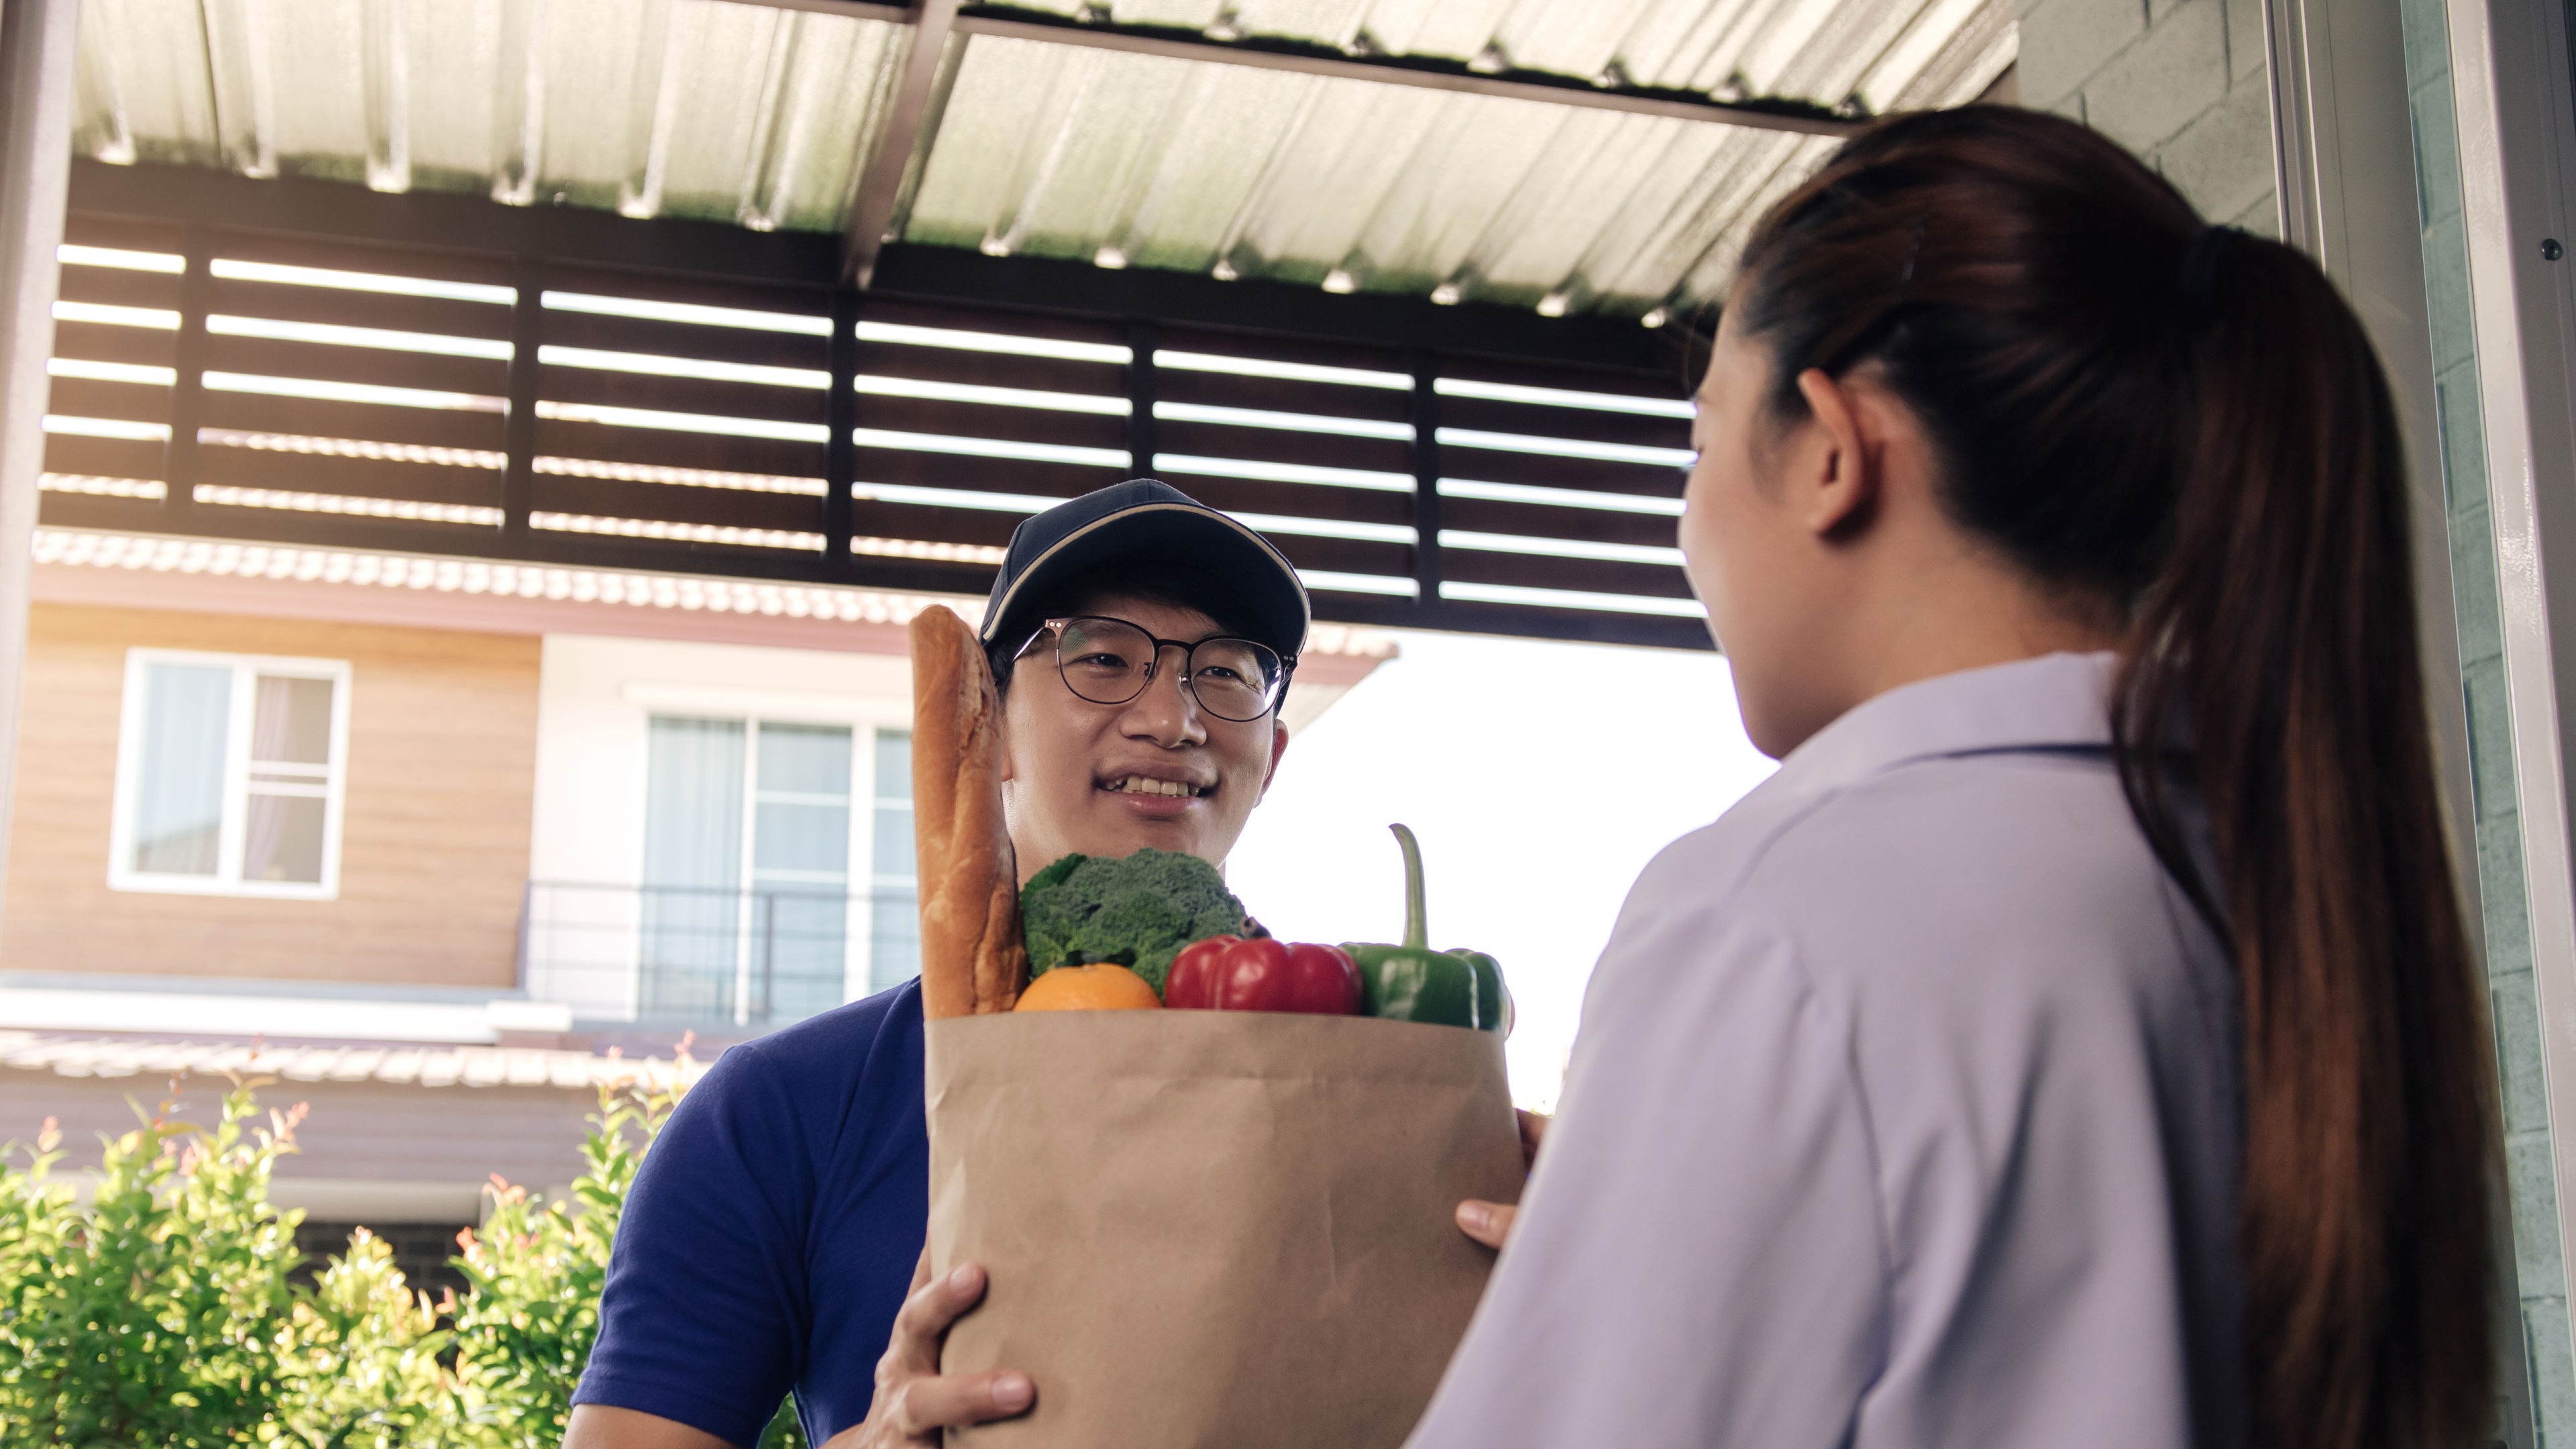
{"points": [[282, 839], [894, 764], [179, 790], [894, 939], [801, 838], [798, 945], [805, 759], [892, 844], [692, 868], [894, 930], [291, 722]]}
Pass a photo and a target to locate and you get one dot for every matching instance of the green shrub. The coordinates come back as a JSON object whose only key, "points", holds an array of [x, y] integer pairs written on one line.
{"points": [[164, 1313]]}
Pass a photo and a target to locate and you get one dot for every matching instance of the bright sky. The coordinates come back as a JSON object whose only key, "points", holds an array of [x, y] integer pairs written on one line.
{"points": [[1540, 778]]}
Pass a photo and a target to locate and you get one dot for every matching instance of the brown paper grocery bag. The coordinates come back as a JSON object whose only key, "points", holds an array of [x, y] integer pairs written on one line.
{"points": [[1214, 1229]]}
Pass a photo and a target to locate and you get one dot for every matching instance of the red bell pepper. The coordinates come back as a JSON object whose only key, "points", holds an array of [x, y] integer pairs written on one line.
{"points": [[1228, 973]]}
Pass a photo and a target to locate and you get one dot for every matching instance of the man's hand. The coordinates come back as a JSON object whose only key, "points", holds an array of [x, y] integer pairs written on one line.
{"points": [[1491, 1222], [914, 1401]]}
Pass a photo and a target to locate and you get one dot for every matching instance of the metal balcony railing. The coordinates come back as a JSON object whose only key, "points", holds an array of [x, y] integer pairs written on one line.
{"points": [[690, 955]]}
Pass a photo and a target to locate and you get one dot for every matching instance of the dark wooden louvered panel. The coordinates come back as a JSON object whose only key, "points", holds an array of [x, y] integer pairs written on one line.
{"points": [[103, 457], [1298, 500], [269, 357], [874, 518], [1050, 326], [82, 397], [1537, 571], [121, 234], [1586, 525], [681, 289], [365, 422], [1283, 445], [1284, 395], [348, 477], [345, 307], [1021, 476], [991, 369], [678, 503], [1345, 555], [1543, 470], [941, 417], [103, 342], [1268, 347], [560, 438], [604, 387], [119, 287], [430, 262], [1660, 385], [1587, 424], [655, 337]]}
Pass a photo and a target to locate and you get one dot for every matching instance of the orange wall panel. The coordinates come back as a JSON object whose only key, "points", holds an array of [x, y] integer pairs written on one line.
{"points": [[434, 848]]}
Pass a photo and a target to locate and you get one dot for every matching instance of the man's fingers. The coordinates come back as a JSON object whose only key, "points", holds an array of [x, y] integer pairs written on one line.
{"points": [[928, 1312], [926, 1404], [1533, 1127], [1487, 1222]]}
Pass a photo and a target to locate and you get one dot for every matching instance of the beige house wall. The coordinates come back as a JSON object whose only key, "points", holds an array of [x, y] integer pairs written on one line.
{"points": [[434, 854]]}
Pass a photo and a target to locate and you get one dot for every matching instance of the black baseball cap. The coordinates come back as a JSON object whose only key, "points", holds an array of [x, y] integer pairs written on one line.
{"points": [[1144, 519]]}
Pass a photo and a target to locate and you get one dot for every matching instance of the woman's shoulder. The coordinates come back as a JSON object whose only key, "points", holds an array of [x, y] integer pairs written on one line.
{"points": [[2006, 854]]}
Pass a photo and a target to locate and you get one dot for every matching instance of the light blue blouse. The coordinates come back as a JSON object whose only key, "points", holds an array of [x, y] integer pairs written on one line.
{"points": [[1904, 1113]]}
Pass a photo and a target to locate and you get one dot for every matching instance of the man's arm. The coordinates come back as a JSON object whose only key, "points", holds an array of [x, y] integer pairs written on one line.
{"points": [[914, 1401], [597, 1426]]}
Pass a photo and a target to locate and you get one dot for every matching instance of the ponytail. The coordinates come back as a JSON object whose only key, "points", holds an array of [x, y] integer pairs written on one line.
{"points": [[2283, 629], [2191, 422]]}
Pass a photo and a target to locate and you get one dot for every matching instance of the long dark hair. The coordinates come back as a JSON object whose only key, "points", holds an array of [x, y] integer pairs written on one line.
{"points": [[2191, 423]]}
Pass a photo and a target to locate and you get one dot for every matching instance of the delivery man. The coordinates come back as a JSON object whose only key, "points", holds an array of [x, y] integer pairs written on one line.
{"points": [[774, 1230]]}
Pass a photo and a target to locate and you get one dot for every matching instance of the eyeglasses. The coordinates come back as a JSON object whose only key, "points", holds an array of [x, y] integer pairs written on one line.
{"points": [[1110, 661]]}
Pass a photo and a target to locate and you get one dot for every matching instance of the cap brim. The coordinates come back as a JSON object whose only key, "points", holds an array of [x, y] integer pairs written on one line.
{"points": [[1266, 587]]}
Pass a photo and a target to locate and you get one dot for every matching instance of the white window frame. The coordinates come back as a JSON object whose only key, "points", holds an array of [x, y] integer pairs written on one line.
{"points": [[227, 879], [753, 706]]}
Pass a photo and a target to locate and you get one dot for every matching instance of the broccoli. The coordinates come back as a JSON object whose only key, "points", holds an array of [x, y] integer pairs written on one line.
{"points": [[1138, 911]]}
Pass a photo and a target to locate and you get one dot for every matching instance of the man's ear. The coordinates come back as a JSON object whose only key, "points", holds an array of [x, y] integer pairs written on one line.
{"points": [[1278, 747], [1002, 738], [1840, 466]]}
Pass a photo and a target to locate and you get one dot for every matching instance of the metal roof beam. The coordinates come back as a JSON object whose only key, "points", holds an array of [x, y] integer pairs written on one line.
{"points": [[1400, 72], [903, 143]]}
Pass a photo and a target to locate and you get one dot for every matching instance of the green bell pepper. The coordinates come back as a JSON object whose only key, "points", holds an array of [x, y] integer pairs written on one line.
{"points": [[1494, 1010], [1412, 982]]}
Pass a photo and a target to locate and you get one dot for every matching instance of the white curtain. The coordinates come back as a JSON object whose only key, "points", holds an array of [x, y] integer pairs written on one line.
{"points": [[178, 801], [692, 868]]}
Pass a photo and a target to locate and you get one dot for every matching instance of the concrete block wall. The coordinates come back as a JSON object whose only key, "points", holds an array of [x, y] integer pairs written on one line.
{"points": [[2179, 82], [2538, 1262]]}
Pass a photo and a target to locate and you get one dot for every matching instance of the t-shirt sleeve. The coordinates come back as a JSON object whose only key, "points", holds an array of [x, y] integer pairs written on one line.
{"points": [[1698, 1260], [702, 1317]]}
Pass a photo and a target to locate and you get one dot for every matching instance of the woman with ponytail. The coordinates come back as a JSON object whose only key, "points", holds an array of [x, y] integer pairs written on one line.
{"points": [[2076, 1042]]}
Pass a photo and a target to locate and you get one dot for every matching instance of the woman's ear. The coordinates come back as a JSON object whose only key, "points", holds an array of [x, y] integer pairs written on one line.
{"points": [[1838, 470]]}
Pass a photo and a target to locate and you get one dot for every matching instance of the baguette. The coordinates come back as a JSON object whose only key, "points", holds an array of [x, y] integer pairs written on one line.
{"points": [[972, 959]]}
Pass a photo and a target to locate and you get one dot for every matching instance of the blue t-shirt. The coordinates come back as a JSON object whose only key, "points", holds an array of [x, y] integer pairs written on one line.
{"points": [[772, 1232]]}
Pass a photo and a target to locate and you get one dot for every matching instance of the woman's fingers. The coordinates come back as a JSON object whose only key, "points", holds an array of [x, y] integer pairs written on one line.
{"points": [[1487, 1222], [921, 1407]]}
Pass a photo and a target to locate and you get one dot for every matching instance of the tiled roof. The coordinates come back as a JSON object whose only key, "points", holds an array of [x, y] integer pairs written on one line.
{"points": [[432, 1066], [607, 588]]}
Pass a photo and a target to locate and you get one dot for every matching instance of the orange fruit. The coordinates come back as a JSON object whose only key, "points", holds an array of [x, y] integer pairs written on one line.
{"points": [[1107, 986]]}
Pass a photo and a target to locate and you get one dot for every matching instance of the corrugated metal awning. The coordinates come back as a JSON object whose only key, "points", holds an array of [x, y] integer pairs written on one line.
{"points": [[1567, 156]]}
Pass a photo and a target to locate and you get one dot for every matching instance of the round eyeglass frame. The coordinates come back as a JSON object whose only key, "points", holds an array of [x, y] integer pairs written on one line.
{"points": [[1189, 652]]}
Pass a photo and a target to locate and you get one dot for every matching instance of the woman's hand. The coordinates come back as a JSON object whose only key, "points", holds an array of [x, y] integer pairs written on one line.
{"points": [[914, 1401], [1491, 1222]]}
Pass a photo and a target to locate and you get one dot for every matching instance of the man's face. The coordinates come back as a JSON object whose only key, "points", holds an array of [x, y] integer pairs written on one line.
{"points": [[1067, 763]]}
